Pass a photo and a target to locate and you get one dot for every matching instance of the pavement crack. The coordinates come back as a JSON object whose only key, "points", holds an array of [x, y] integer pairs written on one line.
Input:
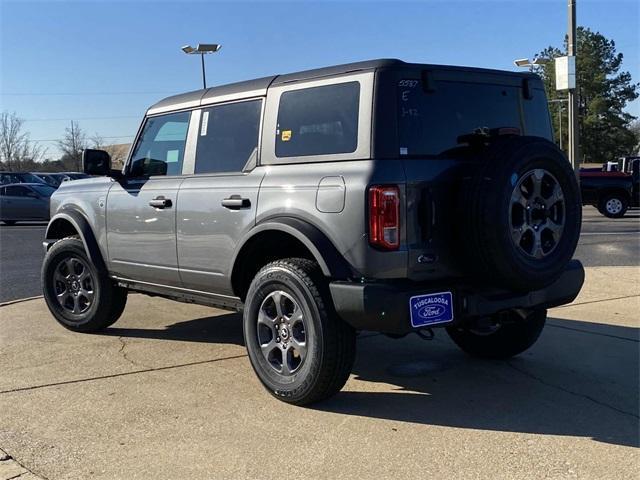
{"points": [[124, 374], [571, 392], [590, 332], [123, 352], [569, 305], [5, 457]]}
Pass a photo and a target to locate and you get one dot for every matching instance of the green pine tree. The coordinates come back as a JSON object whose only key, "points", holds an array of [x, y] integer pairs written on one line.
{"points": [[603, 93]]}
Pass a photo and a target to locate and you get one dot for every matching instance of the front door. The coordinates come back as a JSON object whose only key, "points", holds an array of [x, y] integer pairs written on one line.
{"points": [[141, 208], [217, 205]]}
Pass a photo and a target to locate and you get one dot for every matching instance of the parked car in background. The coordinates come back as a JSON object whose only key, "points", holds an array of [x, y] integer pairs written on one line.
{"points": [[19, 177], [56, 178], [612, 192], [52, 179], [24, 201], [75, 175]]}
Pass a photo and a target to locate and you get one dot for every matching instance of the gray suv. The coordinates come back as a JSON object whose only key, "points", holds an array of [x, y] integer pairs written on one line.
{"points": [[380, 195]]}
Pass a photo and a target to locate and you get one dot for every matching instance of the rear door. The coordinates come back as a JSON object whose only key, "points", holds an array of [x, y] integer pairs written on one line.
{"points": [[141, 208], [217, 204]]}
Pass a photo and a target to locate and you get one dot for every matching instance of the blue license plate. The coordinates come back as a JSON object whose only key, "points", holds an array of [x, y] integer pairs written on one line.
{"points": [[431, 309]]}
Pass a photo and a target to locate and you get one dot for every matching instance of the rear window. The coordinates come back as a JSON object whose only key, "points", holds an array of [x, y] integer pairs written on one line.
{"points": [[430, 123], [318, 120]]}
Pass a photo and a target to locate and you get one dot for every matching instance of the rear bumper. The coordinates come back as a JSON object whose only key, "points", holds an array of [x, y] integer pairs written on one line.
{"points": [[384, 307]]}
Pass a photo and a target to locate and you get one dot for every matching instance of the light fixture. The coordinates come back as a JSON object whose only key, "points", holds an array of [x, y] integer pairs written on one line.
{"points": [[202, 49]]}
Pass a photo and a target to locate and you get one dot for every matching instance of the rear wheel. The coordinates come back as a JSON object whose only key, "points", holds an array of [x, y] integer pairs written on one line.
{"points": [[80, 296], [613, 205], [499, 336], [300, 349]]}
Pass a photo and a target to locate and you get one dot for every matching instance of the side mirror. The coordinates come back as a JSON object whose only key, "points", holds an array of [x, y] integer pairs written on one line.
{"points": [[96, 162]]}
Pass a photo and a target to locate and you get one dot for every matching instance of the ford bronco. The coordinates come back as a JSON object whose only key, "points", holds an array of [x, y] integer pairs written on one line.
{"points": [[380, 195]]}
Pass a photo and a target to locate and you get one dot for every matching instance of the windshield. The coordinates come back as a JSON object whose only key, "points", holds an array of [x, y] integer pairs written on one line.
{"points": [[431, 123]]}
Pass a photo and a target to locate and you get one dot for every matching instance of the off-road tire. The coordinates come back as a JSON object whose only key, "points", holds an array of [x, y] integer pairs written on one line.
{"points": [[486, 236], [108, 301], [330, 342], [604, 201], [512, 337]]}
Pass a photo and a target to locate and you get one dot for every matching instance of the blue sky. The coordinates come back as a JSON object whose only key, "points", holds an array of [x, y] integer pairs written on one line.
{"points": [[103, 63]]}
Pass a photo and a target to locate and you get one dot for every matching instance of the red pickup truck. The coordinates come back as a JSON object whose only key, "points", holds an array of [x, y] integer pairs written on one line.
{"points": [[612, 192]]}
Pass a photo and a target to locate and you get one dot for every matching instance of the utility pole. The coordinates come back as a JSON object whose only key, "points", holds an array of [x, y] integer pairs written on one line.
{"points": [[573, 136]]}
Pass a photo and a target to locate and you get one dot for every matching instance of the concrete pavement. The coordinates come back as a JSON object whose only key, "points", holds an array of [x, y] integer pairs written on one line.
{"points": [[168, 392]]}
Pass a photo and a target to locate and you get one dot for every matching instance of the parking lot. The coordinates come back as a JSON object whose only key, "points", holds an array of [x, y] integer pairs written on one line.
{"points": [[168, 391]]}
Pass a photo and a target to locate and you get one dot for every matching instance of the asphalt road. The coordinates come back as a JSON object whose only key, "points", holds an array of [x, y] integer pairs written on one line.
{"points": [[604, 242]]}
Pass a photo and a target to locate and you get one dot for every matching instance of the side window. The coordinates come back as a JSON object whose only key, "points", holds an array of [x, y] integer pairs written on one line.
{"points": [[160, 148], [16, 191], [228, 137], [318, 120]]}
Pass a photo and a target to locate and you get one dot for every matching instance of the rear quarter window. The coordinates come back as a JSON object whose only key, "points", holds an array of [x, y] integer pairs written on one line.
{"points": [[318, 120]]}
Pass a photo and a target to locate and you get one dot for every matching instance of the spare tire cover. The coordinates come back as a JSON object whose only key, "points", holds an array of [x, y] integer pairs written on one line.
{"points": [[523, 213]]}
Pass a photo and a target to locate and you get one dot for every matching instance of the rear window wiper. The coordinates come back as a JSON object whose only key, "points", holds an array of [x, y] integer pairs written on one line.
{"points": [[483, 134]]}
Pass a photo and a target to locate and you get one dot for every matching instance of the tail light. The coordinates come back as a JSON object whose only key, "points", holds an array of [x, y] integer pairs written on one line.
{"points": [[384, 216]]}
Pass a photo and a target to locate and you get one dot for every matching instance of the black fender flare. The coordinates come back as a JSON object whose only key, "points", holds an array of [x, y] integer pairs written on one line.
{"points": [[82, 226], [325, 253]]}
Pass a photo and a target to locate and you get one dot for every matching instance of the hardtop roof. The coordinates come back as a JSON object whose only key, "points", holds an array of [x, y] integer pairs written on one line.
{"points": [[259, 86]]}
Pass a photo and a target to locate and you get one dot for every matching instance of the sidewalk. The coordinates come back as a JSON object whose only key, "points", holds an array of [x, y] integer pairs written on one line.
{"points": [[168, 392]]}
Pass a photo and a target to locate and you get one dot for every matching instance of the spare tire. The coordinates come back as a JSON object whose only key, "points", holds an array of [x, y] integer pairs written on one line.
{"points": [[523, 213]]}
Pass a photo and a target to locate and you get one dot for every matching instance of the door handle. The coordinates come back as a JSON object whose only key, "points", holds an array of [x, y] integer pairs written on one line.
{"points": [[236, 202], [160, 202]]}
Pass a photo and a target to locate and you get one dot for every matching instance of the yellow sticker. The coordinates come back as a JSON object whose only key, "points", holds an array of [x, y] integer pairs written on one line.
{"points": [[286, 135]]}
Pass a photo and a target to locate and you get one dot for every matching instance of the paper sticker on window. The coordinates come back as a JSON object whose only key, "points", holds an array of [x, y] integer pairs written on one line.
{"points": [[286, 135], [205, 124], [173, 156], [404, 151]]}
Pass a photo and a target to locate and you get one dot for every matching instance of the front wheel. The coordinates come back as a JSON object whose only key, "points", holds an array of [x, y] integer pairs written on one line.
{"points": [[500, 336], [80, 296], [300, 349], [613, 205]]}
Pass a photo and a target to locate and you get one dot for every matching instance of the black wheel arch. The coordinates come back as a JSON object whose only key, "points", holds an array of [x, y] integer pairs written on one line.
{"points": [[605, 192], [303, 235], [71, 222]]}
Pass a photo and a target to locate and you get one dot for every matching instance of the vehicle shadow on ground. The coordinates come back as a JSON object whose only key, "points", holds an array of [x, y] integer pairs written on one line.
{"points": [[580, 379], [226, 328]]}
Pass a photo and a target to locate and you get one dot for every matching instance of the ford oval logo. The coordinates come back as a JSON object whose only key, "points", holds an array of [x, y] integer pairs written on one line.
{"points": [[431, 311]]}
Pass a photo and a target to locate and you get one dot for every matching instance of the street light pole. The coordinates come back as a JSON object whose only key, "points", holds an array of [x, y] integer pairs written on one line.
{"points": [[204, 75], [202, 49], [573, 134]]}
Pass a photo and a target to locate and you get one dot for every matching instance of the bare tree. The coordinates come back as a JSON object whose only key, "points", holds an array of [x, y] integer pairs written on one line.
{"points": [[72, 144], [97, 141], [13, 140]]}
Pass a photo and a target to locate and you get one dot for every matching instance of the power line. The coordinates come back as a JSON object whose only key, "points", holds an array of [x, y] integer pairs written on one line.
{"points": [[58, 139], [79, 118], [25, 94]]}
